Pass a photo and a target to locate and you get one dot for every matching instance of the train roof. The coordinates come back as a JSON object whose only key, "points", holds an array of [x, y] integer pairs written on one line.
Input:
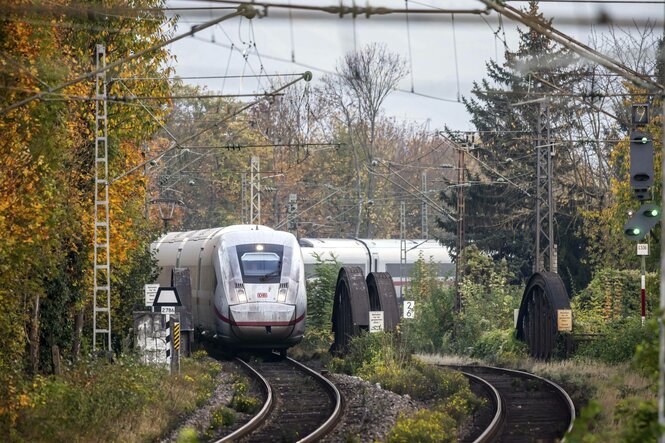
{"points": [[202, 234], [376, 243]]}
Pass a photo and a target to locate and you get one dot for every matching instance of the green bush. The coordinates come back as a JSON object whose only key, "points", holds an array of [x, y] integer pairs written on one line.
{"points": [[242, 402], [619, 342], [499, 344], [430, 330], [639, 420], [220, 417], [424, 426], [321, 293]]}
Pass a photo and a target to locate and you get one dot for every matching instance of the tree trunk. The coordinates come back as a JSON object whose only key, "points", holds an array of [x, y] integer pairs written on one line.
{"points": [[78, 332], [34, 337], [55, 355]]}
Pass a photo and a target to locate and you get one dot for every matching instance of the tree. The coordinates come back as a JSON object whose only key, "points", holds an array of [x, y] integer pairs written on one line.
{"points": [[500, 199], [357, 91], [46, 172]]}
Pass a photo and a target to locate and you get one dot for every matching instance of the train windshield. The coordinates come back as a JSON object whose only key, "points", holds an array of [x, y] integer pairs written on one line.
{"points": [[261, 266]]}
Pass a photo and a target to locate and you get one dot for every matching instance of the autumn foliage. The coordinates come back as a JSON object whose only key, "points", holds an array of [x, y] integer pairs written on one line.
{"points": [[47, 177]]}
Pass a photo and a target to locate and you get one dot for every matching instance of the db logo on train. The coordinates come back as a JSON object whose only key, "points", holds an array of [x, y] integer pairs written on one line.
{"points": [[262, 294]]}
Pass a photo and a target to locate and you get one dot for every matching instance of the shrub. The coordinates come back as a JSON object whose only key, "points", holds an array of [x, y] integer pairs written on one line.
{"points": [[220, 417], [321, 293], [499, 344], [242, 402], [619, 342], [424, 426]]}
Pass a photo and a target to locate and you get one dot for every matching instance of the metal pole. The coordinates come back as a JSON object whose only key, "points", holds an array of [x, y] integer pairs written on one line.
{"points": [[460, 228], [643, 290], [402, 248], [537, 267], [661, 327], [423, 210]]}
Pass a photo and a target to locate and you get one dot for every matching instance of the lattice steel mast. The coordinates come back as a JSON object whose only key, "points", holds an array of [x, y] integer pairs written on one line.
{"points": [[545, 256], [255, 192], [101, 299]]}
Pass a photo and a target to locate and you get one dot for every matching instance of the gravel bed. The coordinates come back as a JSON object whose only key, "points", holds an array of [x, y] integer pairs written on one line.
{"points": [[369, 412], [199, 420]]}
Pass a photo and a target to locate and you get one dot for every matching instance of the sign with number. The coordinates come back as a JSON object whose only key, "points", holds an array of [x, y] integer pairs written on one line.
{"points": [[168, 310], [150, 293], [564, 319], [409, 309], [375, 321], [643, 249]]}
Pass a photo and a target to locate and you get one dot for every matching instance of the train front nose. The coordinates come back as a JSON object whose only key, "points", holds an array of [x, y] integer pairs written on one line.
{"points": [[263, 323]]}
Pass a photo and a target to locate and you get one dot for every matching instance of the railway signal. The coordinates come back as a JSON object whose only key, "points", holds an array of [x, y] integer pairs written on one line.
{"points": [[641, 222], [641, 164]]}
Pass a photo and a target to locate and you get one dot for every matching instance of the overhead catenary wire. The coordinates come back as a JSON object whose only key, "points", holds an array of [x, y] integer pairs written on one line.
{"points": [[305, 76], [579, 48], [328, 71]]}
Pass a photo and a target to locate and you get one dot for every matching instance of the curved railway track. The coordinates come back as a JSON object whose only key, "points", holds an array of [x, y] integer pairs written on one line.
{"points": [[525, 407], [301, 405]]}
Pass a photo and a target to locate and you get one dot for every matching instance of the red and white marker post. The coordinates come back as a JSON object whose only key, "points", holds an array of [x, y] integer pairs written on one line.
{"points": [[643, 251]]}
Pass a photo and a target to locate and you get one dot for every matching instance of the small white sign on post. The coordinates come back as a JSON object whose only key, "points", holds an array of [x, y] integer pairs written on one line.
{"points": [[409, 309], [168, 310], [150, 293], [375, 321], [643, 249]]}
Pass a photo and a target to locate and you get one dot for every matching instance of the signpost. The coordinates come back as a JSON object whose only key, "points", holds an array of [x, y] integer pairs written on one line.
{"points": [[643, 252], [150, 293], [409, 309], [564, 320], [376, 321], [167, 299]]}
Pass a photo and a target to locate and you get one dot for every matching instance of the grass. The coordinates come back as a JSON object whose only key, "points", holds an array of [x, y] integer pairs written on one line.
{"points": [[101, 402]]}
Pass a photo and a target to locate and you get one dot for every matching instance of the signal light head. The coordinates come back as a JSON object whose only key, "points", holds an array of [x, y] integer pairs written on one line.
{"points": [[651, 212], [644, 140], [633, 231]]}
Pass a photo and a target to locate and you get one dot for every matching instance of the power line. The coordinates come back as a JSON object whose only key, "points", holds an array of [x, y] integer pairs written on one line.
{"points": [[242, 11], [199, 77], [325, 71], [307, 76]]}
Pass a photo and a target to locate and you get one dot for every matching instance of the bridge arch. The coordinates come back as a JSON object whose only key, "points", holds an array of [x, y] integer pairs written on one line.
{"points": [[544, 295]]}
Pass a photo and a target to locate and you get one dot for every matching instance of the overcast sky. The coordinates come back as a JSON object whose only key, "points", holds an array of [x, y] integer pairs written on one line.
{"points": [[436, 54]]}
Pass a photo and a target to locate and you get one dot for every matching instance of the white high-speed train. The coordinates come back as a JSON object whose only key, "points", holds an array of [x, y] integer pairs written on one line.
{"points": [[374, 255], [248, 283]]}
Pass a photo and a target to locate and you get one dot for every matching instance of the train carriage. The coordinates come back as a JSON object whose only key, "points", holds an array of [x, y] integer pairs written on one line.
{"points": [[377, 255]]}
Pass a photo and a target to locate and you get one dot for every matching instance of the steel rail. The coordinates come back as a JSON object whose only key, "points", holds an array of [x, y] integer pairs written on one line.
{"points": [[492, 431], [262, 415], [332, 389], [256, 421], [562, 393]]}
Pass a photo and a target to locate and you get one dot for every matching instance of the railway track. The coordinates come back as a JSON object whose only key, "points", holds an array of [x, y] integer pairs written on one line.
{"points": [[301, 405], [525, 407]]}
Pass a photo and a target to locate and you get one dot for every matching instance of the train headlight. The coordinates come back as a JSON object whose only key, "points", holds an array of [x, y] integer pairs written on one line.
{"points": [[281, 295], [240, 293]]}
